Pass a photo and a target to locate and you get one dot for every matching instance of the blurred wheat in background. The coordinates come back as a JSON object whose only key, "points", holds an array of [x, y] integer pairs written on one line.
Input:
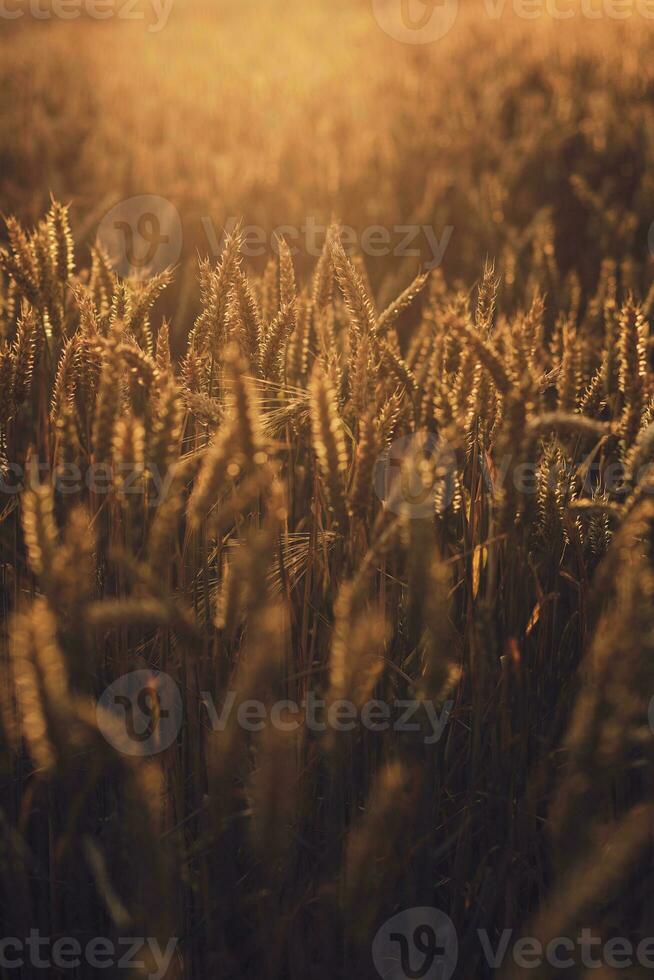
{"points": [[329, 472]]}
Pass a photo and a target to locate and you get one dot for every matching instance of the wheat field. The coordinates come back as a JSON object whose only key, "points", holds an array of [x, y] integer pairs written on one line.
{"points": [[327, 570]]}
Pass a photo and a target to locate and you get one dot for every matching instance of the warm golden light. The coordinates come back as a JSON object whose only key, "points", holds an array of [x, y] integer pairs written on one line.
{"points": [[326, 494]]}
